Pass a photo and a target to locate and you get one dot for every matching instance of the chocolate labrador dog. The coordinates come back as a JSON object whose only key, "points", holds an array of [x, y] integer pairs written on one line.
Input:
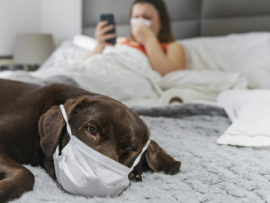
{"points": [[32, 126]]}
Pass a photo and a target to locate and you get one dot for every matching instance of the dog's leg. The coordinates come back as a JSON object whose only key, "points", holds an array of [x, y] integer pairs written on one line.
{"points": [[135, 175], [14, 179]]}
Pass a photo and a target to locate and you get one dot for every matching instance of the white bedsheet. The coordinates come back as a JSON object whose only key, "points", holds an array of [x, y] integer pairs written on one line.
{"points": [[249, 111]]}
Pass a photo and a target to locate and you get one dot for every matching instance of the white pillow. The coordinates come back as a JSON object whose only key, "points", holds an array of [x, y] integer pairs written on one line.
{"points": [[85, 42], [247, 53]]}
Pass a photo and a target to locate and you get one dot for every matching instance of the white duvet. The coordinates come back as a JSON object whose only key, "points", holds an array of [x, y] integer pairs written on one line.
{"points": [[214, 64], [125, 74]]}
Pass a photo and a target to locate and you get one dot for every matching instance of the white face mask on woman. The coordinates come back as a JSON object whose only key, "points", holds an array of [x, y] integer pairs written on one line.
{"points": [[83, 171]]}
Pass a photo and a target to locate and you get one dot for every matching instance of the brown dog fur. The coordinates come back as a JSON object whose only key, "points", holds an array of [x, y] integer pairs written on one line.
{"points": [[32, 126]]}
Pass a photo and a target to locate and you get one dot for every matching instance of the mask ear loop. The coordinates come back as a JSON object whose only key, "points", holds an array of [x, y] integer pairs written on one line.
{"points": [[62, 108], [66, 119], [137, 160]]}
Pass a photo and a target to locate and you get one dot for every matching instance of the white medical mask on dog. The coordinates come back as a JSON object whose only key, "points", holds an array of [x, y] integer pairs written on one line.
{"points": [[140, 20], [82, 170]]}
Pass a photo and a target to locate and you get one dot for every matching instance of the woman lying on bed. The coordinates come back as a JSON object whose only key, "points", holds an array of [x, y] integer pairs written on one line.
{"points": [[156, 41]]}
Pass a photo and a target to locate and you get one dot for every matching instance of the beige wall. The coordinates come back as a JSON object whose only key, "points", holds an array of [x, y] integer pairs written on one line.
{"points": [[62, 18], [17, 16]]}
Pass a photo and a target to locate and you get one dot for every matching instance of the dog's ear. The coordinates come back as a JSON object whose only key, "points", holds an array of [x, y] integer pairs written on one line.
{"points": [[51, 130], [158, 160], [50, 126]]}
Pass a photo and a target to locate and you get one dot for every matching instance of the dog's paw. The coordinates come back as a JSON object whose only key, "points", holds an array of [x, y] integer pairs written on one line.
{"points": [[135, 177]]}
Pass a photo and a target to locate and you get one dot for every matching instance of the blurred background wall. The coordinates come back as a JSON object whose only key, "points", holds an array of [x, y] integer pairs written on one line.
{"points": [[61, 18]]}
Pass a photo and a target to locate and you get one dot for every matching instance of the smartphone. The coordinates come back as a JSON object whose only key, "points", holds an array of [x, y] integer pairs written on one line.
{"points": [[110, 19]]}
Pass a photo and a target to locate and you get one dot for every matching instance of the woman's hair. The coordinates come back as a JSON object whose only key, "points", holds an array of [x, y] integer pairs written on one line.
{"points": [[165, 34]]}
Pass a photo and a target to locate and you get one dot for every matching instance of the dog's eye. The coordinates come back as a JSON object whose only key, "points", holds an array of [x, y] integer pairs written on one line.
{"points": [[92, 130], [129, 148]]}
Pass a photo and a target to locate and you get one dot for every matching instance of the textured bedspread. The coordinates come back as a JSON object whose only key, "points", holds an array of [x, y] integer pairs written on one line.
{"points": [[209, 172]]}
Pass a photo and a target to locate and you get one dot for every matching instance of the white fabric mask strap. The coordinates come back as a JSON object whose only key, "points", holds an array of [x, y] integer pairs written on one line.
{"points": [[137, 160], [66, 119]]}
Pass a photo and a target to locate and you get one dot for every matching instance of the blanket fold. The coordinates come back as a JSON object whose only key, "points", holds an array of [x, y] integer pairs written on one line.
{"points": [[249, 111]]}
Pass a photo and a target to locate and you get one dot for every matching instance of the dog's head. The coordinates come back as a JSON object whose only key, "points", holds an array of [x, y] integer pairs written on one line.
{"points": [[105, 125]]}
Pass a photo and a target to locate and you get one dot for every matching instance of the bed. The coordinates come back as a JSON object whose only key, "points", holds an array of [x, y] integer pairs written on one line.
{"points": [[210, 172]]}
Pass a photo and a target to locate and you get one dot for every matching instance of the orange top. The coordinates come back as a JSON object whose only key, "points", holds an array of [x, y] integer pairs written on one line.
{"points": [[140, 47]]}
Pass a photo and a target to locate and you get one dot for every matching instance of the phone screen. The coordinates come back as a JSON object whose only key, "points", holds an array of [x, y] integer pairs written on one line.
{"points": [[110, 19]]}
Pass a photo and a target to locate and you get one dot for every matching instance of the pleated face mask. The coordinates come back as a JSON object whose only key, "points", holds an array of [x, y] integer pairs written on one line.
{"points": [[82, 170]]}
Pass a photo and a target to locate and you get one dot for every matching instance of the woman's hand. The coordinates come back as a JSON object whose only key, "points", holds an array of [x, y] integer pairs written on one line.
{"points": [[101, 37], [141, 33], [100, 34]]}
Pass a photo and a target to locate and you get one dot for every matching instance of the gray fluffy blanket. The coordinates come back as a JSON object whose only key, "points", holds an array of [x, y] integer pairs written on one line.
{"points": [[209, 172]]}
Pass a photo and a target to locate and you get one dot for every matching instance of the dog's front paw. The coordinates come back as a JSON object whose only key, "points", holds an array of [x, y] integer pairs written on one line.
{"points": [[135, 177]]}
